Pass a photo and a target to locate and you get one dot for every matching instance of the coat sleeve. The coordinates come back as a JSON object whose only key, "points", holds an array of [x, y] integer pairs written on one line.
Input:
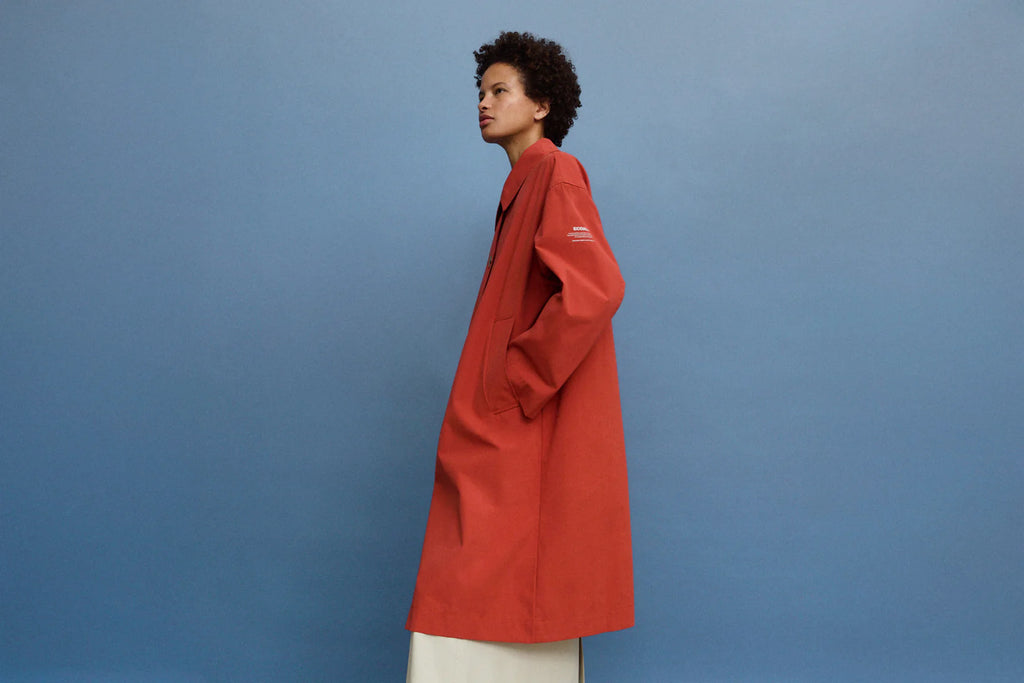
{"points": [[570, 243]]}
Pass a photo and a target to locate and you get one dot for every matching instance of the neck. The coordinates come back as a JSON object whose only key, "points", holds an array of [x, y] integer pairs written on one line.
{"points": [[515, 147]]}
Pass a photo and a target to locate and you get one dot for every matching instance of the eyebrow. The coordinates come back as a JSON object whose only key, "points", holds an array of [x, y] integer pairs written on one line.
{"points": [[495, 85]]}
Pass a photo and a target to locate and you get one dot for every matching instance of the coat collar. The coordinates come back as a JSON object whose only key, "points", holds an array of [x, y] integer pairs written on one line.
{"points": [[527, 162]]}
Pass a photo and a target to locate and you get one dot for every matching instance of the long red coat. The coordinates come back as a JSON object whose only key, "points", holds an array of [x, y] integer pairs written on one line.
{"points": [[528, 536]]}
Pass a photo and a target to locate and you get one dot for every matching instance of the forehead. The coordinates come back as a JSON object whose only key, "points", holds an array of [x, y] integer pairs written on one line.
{"points": [[500, 72]]}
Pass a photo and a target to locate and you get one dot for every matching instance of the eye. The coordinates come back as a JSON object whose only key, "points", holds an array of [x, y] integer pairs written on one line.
{"points": [[498, 90]]}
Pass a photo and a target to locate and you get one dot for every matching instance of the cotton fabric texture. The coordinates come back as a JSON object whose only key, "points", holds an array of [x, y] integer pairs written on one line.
{"points": [[528, 536], [436, 659]]}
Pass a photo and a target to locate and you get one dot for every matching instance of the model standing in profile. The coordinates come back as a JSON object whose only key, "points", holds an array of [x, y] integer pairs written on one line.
{"points": [[527, 545]]}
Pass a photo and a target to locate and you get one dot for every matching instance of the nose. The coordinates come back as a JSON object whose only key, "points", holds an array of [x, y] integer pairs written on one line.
{"points": [[482, 104]]}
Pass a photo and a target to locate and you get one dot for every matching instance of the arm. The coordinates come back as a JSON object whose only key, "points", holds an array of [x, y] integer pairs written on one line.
{"points": [[569, 243]]}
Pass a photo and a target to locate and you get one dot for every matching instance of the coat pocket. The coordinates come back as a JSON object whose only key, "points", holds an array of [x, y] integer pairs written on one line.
{"points": [[497, 390]]}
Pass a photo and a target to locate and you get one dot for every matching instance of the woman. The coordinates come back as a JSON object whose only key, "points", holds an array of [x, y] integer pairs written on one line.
{"points": [[527, 545]]}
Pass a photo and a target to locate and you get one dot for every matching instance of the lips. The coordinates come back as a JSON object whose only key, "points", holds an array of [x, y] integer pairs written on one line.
{"points": [[484, 120]]}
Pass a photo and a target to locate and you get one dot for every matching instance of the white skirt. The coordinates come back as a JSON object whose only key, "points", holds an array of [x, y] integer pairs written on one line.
{"points": [[436, 659]]}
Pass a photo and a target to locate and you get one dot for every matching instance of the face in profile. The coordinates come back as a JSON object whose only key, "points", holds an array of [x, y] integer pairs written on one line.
{"points": [[506, 113]]}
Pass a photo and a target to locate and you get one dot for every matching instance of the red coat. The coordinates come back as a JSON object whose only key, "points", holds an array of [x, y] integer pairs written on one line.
{"points": [[528, 535]]}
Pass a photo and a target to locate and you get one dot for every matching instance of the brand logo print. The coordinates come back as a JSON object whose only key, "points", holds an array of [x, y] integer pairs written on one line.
{"points": [[580, 233]]}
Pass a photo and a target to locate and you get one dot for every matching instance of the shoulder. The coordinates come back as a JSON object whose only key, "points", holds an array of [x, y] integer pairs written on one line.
{"points": [[565, 168]]}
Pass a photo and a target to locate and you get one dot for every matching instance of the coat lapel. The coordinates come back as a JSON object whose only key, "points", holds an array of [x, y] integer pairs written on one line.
{"points": [[527, 162]]}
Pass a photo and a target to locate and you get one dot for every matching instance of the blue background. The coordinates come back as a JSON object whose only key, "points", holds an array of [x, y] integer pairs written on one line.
{"points": [[240, 244]]}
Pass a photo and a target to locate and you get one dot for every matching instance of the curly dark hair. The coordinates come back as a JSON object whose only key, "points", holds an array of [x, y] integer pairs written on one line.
{"points": [[546, 71]]}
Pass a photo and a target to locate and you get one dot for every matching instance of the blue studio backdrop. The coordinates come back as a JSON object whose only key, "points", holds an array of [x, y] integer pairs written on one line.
{"points": [[239, 248]]}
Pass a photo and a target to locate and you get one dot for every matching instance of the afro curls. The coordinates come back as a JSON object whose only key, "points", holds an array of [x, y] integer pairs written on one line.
{"points": [[546, 71]]}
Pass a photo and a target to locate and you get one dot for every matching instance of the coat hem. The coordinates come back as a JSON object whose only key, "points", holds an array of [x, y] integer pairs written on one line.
{"points": [[490, 629]]}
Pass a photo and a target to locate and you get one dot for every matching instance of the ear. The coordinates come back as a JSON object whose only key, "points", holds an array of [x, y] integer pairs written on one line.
{"points": [[542, 110]]}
